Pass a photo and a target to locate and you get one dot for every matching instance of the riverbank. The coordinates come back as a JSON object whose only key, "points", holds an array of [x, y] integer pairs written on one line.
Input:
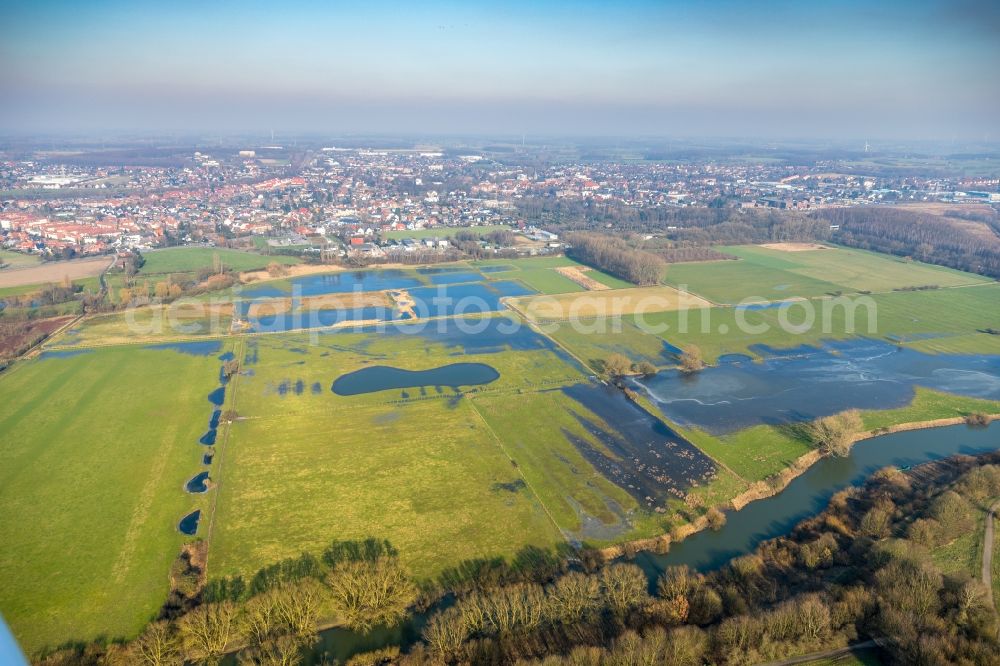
{"points": [[767, 488]]}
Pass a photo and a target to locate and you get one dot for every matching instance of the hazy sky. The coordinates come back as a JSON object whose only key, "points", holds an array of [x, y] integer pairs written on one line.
{"points": [[917, 69]]}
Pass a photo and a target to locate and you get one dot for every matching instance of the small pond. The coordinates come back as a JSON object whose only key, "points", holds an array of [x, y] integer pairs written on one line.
{"points": [[383, 377]]}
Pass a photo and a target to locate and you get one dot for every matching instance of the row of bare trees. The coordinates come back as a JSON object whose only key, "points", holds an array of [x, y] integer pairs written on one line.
{"points": [[929, 238], [863, 568], [613, 256]]}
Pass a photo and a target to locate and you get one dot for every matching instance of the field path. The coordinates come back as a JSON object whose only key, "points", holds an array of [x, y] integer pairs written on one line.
{"points": [[987, 571], [220, 449], [826, 654]]}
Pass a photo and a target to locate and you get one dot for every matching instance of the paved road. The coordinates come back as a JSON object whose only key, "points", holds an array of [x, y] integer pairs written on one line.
{"points": [[988, 552], [827, 654]]}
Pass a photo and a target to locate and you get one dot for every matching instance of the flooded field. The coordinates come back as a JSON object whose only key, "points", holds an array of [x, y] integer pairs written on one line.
{"points": [[803, 383], [647, 459]]}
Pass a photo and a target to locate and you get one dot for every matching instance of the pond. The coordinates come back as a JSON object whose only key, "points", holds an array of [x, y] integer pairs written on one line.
{"points": [[804, 383], [189, 523], [197, 483], [384, 377]]}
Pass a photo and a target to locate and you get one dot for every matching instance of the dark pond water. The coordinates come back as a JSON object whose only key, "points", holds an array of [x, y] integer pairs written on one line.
{"points": [[483, 336], [464, 299], [197, 348], [218, 396], [809, 494], [189, 523], [197, 483], [383, 377], [208, 439], [338, 283], [313, 318], [807, 382], [213, 422], [650, 460], [497, 269], [207, 459]]}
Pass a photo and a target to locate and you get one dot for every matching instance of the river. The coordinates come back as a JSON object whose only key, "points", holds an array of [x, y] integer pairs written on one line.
{"points": [[764, 519]]}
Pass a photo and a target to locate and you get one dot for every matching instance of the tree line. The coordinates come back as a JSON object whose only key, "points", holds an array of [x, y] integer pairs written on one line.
{"points": [[613, 256], [860, 569], [929, 238]]}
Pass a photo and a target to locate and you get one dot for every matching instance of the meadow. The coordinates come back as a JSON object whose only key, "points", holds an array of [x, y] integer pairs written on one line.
{"points": [[11, 259], [190, 259], [539, 273], [95, 451], [98, 443], [416, 466], [938, 321], [772, 275]]}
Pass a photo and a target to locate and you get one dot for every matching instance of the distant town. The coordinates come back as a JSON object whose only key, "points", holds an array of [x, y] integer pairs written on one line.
{"points": [[332, 203]]}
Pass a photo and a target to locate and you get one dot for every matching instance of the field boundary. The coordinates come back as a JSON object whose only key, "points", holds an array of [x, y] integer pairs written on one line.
{"points": [[503, 449], [220, 454]]}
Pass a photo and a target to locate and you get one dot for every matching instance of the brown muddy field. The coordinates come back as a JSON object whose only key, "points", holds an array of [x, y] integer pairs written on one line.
{"points": [[54, 271]]}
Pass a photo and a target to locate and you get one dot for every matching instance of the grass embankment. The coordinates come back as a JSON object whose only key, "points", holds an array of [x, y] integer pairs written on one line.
{"points": [[95, 452]]}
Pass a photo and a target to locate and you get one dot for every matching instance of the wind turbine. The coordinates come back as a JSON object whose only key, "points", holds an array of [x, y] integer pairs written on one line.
{"points": [[867, 146]]}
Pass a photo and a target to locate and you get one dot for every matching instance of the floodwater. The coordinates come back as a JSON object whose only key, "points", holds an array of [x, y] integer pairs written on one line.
{"points": [[218, 396], [189, 523], [453, 293], [198, 348], [383, 377], [650, 460], [808, 494], [808, 382], [338, 283], [197, 483]]}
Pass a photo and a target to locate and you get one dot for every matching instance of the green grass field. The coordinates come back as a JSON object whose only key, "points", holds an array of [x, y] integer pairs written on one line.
{"points": [[941, 321], [539, 274], [422, 470], [11, 259], [772, 275], [95, 451], [188, 259]]}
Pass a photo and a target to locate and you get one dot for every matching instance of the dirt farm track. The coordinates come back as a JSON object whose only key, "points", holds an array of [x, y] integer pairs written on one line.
{"points": [[54, 271]]}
